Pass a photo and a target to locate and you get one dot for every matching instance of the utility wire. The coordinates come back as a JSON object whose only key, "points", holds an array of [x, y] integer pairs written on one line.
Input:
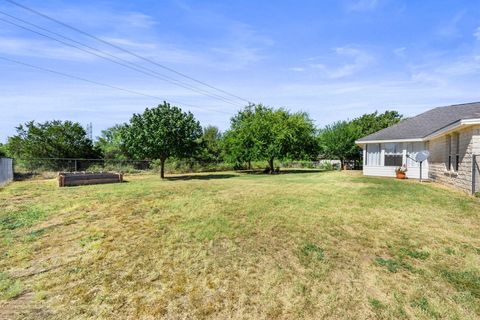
{"points": [[123, 49], [101, 83], [124, 63]]}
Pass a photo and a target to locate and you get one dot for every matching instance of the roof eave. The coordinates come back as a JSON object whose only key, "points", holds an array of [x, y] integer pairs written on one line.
{"points": [[452, 127], [388, 140]]}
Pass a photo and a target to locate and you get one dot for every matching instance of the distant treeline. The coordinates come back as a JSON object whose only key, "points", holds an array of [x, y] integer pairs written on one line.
{"points": [[256, 133]]}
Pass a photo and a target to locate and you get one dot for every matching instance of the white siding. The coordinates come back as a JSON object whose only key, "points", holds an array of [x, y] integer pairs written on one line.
{"points": [[377, 168], [412, 173]]}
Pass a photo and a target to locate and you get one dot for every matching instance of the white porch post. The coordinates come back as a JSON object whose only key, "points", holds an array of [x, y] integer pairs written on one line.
{"points": [[382, 155], [364, 155]]}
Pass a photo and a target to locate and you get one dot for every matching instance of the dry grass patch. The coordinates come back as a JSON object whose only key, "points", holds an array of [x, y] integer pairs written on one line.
{"points": [[311, 245]]}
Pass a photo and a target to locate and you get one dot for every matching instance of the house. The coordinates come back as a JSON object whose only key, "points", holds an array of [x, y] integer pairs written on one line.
{"points": [[450, 134]]}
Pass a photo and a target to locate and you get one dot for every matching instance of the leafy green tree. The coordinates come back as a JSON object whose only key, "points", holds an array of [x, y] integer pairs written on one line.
{"points": [[337, 141], [263, 133], [210, 149], [238, 143], [373, 122], [110, 143], [3, 150], [162, 132], [51, 139]]}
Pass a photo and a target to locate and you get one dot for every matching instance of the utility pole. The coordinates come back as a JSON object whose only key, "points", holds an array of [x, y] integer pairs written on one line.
{"points": [[89, 130]]}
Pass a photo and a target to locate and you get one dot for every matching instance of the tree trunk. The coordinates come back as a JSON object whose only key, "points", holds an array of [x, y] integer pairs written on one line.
{"points": [[162, 168], [270, 163], [249, 165]]}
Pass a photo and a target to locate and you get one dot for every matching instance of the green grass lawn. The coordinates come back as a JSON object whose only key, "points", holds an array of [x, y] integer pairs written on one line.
{"points": [[331, 245]]}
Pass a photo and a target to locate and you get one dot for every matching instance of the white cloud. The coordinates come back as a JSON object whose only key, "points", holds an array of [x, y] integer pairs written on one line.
{"points": [[297, 69], [400, 52], [476, 34], [449, 28], [138, 20], [43, 49], [345, 61], [239, 47], [362, 5], [360, 60]]}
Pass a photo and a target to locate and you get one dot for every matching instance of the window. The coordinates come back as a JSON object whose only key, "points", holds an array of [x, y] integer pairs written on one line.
{"points": [[393, 155], [373, 154], [453, 149]]}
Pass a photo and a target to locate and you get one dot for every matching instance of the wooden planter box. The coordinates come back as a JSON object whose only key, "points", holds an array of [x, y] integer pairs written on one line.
{"points": [[66, 179], [401, 175]]}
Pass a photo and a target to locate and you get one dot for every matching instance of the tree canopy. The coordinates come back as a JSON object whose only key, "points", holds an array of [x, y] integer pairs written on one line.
{"points": [[3, 150], [110, 143], [51, 139], [337, 140], [162, 132], [262, 133], [373, 122], [210, 145]]}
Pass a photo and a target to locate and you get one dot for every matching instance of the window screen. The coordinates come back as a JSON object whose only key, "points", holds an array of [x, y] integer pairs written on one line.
{"points": [[393, 154], [373, 154]]}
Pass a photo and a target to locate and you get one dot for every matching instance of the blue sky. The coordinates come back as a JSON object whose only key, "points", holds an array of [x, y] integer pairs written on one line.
{"points": [[333, 59]]}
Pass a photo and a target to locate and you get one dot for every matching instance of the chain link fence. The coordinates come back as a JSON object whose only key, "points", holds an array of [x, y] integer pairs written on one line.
{"points": [[49, 167]]}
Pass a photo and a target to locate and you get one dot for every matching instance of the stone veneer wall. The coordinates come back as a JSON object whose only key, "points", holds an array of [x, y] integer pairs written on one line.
{"points": [[469, 145]]}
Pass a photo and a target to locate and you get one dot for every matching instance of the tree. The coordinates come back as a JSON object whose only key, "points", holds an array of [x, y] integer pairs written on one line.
{"points": [[263, 133], [373, 122], [3, 151], [337, 141], [238, 143], [110, 143], [51, 139], [162, 132], [210, 145]]}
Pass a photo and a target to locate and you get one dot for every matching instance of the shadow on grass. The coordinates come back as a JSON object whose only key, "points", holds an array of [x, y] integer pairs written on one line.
{"points": [[200, 177], [17, 176], [283, 171]]}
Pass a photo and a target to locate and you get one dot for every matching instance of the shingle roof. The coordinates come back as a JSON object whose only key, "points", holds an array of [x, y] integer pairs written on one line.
{"points": [[427, 123]]}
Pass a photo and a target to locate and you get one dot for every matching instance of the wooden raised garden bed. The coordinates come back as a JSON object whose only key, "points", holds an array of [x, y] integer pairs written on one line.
{"points": [[66, 179]]}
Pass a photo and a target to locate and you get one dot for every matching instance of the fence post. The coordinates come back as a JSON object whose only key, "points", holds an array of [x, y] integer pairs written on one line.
{"points": [[76, 165]]}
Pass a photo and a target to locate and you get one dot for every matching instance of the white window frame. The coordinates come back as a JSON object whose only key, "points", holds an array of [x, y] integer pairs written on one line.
{"points": [[398, 152]]}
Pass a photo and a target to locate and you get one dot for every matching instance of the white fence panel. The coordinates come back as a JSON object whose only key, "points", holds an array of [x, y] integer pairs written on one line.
{"points": [[6, 170]]}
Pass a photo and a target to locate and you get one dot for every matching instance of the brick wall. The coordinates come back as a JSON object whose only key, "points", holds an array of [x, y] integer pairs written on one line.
{"points": [[469, 144]]}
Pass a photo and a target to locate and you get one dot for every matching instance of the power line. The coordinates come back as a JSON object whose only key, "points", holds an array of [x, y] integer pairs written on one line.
{"points": [[124, 50], [124, 62], [101, 83]]}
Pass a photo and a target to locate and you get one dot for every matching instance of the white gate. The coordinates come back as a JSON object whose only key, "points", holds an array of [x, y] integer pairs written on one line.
{"points": [[6, 170]]}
